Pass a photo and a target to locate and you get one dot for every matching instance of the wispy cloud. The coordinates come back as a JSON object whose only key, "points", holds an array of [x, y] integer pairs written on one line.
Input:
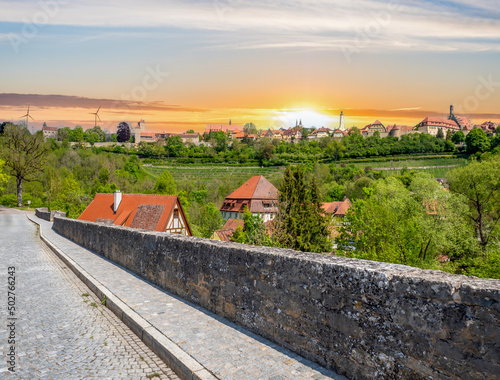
{"points": [[64, 101], [460, 24], [406, 109]]}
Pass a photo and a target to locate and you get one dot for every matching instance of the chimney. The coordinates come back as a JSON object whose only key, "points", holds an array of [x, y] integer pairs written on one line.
{"points": [[118, 200]]}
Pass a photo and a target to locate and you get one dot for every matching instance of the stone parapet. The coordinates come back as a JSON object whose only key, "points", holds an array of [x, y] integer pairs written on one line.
{"points": [[45, 214], [364, 319]]}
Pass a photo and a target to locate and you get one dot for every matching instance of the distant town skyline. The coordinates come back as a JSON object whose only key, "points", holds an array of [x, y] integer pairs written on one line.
{"points": [[183, 64]]}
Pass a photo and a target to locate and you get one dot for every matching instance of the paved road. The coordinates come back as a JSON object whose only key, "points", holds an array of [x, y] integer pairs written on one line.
{"points": [[62, 330], [226, 350]]}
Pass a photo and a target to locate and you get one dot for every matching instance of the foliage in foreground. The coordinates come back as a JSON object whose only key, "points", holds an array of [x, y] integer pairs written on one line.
{"points": [[416, 222]]}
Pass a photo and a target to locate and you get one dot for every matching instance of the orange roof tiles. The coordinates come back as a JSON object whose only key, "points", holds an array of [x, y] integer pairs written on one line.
{"points": [[258, 194], [232, 224], [256, 187], [337, 208], [223, 127], [438, 121], [228, 230], [133, 210]]}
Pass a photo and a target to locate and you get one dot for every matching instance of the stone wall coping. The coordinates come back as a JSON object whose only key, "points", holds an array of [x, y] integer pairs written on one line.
{"points": [[386, 271], [358, 317]]}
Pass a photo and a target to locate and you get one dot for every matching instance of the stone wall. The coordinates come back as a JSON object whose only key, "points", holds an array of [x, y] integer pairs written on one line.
{"points": [[44, 213], [364, 319]]}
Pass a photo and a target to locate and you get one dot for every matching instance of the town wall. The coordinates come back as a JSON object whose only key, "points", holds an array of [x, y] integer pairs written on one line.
{"points": [[44, 213], [362, 318]]}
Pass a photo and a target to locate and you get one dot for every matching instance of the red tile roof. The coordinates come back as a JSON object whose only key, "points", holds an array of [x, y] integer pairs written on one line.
{"points": [[438, 121], [337, 208], [228, 230], [232, 224], [151, 212], [257, 187], [45, 128], [223, 127], [463, 121], [258, 194]]}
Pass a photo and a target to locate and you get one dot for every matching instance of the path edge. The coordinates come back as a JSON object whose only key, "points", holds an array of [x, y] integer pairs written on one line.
{"points": [[183, 364]]}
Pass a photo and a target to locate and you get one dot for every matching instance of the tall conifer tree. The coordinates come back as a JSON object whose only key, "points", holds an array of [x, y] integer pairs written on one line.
{"points": [[300, 223]]}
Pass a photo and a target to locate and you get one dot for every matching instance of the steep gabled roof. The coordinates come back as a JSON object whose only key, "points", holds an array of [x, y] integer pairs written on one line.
{"points": [[257, 187], [337, 208], [145, 211]]}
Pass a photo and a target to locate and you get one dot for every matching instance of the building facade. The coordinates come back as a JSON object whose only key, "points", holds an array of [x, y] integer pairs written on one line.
{"points": [[257, 194]]}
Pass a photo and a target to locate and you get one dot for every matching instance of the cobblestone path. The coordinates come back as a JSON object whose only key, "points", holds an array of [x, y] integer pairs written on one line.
{"points": [[62, 330]]}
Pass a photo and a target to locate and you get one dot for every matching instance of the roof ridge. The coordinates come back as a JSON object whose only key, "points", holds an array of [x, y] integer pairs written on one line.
{"points": [[148, 195]]}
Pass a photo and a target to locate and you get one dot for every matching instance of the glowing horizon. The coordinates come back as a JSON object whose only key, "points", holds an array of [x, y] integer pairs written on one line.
{"points": [[184, 64]]}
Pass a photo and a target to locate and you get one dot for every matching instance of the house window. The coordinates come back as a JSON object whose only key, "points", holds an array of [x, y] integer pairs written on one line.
{"points": [[176, 214]]}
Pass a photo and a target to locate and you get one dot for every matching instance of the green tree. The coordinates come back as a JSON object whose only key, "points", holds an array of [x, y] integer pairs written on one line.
{"points": [[406, 225], [356, 189], [255, 230], [174, 147], [477, 141], [4, 177], [479, 184], [250, 128], [207, 218], [449, 134], [266, 151], [63, 133], [165, 184], [123, 132], [76, 135], [220, 141], [440, 133], [190, 131], [335, 149], [354, 130], [24, 155], [2, 126], [458, 137], [300, 223]]}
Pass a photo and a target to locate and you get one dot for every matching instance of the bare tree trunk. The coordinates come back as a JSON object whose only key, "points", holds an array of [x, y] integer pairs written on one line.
{"points": [[19, 192]]}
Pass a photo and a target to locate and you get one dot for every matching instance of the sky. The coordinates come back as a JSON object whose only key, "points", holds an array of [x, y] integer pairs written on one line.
{"points": [[180, 65]]}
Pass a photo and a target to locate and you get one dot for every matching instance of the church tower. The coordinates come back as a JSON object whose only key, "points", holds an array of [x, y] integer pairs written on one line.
{"points": [[341, 123]]}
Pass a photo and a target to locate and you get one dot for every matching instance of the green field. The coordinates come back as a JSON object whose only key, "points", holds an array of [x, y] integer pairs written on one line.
{"points": [[435, 172], [423, 162], [204, 174]]}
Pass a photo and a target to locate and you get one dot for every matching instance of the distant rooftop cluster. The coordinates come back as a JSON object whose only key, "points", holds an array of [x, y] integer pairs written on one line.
{"points": [[430, 125]]}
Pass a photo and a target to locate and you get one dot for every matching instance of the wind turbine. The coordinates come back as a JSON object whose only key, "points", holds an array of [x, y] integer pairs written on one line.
{"points": [[96, 116], [27, 116]]}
